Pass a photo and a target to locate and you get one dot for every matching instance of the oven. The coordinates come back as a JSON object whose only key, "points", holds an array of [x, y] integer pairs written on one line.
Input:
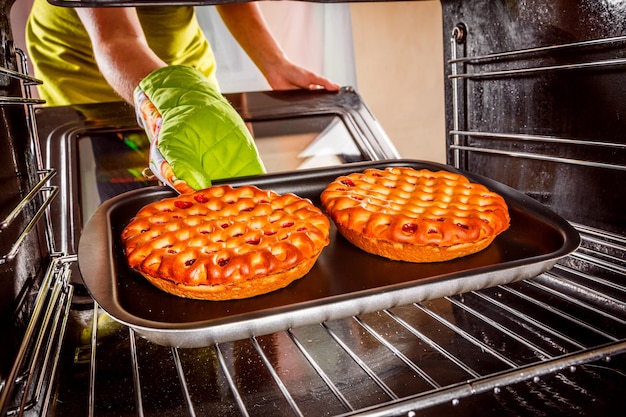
{"points": [[533, 106]]}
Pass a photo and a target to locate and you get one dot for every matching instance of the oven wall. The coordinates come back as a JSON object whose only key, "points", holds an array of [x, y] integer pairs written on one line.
{"points": [[555, 134], [399, 55], [21, 266]]}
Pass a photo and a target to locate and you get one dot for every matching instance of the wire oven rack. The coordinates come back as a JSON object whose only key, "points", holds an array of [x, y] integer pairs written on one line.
{"points": [[565, 322]]}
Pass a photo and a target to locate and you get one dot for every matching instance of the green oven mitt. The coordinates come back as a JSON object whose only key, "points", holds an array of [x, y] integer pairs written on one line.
{"points": [[196, 136]]}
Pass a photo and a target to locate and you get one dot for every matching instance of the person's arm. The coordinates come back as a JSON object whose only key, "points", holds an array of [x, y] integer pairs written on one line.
{"points": [[189, 149], [248, 26], [120, 47]]}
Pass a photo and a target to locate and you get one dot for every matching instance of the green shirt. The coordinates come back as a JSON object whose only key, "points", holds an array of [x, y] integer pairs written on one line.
{"points": [[61, 55]]}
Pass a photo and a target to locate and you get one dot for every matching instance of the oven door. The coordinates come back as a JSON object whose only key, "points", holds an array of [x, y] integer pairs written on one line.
{"points": [[99, 151]]}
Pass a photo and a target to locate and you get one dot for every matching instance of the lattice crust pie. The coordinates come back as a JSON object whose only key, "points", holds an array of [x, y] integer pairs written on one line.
{"points": [[225, 243], [415, 215]]}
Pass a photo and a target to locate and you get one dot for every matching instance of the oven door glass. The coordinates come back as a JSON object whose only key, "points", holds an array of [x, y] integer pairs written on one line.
{"points": [[115, 161]]}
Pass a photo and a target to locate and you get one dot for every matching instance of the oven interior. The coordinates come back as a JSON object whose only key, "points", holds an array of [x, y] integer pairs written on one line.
{"points": [[532, 101]]}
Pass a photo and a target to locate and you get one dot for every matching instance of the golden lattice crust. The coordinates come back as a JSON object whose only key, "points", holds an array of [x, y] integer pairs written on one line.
{"points": [[415, 215], [223, 242]]}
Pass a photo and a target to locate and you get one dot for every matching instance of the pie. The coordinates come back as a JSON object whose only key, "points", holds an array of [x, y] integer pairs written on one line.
{"points": [[225, 243], [415, 215]]}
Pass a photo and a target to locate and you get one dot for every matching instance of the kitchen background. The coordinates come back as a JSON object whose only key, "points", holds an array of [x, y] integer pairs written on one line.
{"points": [[390, 52]]}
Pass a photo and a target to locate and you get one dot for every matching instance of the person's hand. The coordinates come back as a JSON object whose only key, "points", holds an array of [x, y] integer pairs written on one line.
{"points": [[286, 76], [248, 26]]}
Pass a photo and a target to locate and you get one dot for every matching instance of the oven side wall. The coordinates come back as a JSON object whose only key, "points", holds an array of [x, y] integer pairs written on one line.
{"points": [[21, 270], [556, 133]]}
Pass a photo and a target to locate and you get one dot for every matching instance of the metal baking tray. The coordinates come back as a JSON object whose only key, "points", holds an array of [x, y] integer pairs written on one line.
{"points": [[345, 281]]}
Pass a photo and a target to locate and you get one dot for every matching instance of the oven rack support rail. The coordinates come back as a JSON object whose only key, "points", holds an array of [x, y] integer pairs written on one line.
{"points": [[48, 193], [28, 382], [548, 331], [460, 72]]}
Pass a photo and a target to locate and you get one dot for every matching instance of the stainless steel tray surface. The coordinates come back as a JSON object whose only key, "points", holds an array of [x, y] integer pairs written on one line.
{"points": [[344, 282]]}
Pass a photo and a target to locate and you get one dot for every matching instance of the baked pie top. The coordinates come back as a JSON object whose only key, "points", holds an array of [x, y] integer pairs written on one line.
{"points": [[222, 235], [418, 207]]}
